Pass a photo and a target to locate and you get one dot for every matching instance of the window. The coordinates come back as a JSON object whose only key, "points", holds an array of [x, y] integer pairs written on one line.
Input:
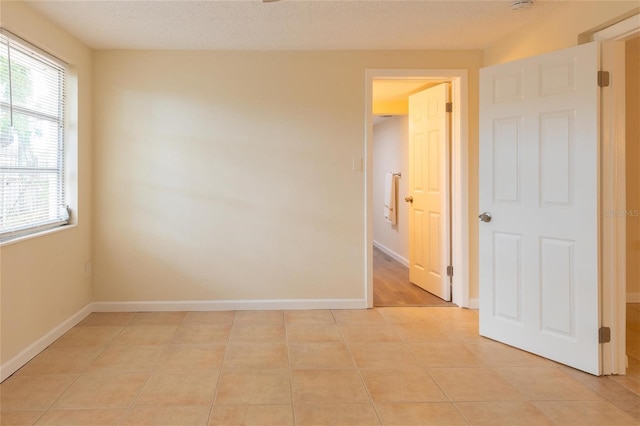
{"points": [[32, 195]]}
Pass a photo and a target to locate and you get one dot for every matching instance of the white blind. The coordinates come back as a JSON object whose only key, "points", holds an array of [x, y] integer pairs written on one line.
{"points": [[32, 91]]}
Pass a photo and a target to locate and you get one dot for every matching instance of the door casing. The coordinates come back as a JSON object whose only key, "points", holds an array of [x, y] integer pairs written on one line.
{"points": [[459, 174], [613, 186]]}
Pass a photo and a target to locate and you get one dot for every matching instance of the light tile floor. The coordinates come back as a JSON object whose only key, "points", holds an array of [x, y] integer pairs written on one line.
{"points": [[392, 366]]}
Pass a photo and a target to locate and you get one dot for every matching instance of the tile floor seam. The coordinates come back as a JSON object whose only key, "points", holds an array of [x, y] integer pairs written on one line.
{"points": [[415, 358], [286, 341], [84, 369], [466, 419], [612, 378], [129, 408], [522, 393], [585, 384], [124, 416], [578, 381], [153, 369], [626, 387], [606, 402], [113, 339], [224, 357], [523, 402], [62, 393], [426, 370], [366, 389]]}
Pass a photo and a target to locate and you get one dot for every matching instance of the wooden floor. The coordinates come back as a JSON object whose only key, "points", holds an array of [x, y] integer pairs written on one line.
{"points": [[391, 286]]}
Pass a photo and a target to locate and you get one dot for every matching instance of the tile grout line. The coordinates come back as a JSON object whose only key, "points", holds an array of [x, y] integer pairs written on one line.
{"points": [[435, 382], [467, 342], [127, 410], [146, 380], [286, 341], [506, 379], [80, 374], [224, 357], [355, 364]]}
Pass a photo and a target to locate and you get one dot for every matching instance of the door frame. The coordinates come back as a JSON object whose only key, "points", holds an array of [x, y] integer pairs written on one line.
{"points": [[612, 36], [459, 174]]}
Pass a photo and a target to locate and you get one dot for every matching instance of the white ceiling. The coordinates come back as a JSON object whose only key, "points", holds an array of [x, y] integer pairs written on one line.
{"points": [[289, 24]]}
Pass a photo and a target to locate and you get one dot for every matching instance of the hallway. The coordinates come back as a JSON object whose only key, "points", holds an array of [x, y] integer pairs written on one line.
{"points": [[391, 286]]}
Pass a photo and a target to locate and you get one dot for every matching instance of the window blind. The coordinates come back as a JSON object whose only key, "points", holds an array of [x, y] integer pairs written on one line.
{"points": [[32, 195]]}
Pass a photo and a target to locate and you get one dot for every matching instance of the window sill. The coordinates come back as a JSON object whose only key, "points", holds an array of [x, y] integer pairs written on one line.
{"points": [[38, 234]]}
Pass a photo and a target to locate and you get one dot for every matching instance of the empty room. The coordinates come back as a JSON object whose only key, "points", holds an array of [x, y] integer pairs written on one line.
{"points": [[191, 195]]}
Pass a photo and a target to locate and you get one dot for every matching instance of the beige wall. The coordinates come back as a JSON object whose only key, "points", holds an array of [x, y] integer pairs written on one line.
{"points": [[557, 30], [633, 166], [391, 154], [42, 279], [228, 175]]}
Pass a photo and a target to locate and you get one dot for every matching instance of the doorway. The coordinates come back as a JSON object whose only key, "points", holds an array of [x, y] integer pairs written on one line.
{"points": [[620, 220], [392, 288], [411, 193], [632, 211], [459, 180]]}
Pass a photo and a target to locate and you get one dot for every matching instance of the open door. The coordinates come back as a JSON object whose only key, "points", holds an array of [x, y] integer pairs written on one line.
{"points": [[429, 220], [539, 180]]}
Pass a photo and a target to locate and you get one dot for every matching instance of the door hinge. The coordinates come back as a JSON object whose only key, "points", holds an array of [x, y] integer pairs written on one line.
{"points": [[603, 78], [449, 106], [604, 335], [449, 271]]}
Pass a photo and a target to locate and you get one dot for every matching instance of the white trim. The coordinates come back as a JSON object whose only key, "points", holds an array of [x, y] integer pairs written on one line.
{"points": [[620, 30], [633, 297], [613, 199], [21, 41], [386, 250], [614, 294], [460, 214], [228, 305], [39, 234], [15, 363], [474, 303]]}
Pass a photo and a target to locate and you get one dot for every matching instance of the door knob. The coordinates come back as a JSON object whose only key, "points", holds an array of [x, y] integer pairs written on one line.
{"points": [[485, 217], [409, 199]]}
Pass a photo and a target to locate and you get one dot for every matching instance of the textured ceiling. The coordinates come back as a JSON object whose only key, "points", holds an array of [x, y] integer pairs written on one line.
{"points": [[289, 24]]}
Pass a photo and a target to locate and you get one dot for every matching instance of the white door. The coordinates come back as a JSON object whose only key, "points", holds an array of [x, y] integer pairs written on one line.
{"points": [[539, 286], [429, 231]]}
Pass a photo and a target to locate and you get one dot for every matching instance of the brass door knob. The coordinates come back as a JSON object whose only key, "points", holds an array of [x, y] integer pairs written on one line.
{"points": [[409, 199]]}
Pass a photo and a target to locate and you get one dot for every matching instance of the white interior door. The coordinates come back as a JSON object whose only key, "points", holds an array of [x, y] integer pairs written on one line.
{"points": [[429, 221], [539, 153]]}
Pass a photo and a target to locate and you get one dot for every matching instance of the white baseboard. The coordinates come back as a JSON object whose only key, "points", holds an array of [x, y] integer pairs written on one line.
{"points": [[15, 363], [633, 297], [229, 305], [391, 253], [474, 303]]}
